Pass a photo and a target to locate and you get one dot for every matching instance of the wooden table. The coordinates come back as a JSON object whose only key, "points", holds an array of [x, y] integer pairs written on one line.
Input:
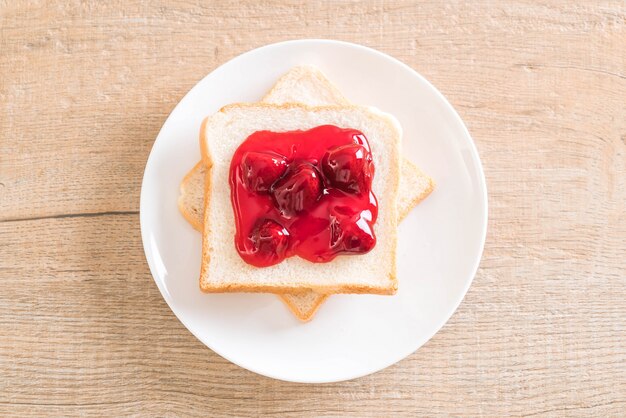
{"points": [[84, 89]]}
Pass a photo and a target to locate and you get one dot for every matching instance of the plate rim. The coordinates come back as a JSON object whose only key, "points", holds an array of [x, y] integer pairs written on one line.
{"points": [[306, 42]]}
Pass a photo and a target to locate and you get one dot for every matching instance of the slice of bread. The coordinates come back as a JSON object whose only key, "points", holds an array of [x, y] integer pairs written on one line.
{"points": [[223, 270], [309, 86]]}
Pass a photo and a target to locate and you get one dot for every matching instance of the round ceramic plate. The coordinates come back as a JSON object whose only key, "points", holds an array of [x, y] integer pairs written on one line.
{"points": [[440, 242]]}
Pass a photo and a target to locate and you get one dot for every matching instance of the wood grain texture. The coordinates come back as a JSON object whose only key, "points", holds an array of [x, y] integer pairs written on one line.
{"points": [[84, 89]]}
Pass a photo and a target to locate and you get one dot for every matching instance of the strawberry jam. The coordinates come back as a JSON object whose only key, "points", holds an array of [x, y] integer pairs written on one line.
{"points": [[305, 193]]}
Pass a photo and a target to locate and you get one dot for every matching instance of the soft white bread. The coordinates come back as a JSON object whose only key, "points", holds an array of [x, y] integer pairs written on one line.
{"points": [[223, 270]]}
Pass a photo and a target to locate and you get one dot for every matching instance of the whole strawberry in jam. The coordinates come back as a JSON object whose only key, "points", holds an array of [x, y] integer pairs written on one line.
{"points": [[349, 168], [261, 169], [336, 234], [357, 237], [297, 190], [271, 242]]}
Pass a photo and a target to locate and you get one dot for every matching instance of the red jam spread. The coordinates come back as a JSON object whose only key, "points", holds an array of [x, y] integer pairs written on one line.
{"points": [[304, 193]]}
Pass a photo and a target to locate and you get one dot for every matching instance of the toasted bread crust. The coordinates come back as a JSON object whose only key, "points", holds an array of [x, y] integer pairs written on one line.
{"points": [[208, 161], [204, 156], [322, 289]]}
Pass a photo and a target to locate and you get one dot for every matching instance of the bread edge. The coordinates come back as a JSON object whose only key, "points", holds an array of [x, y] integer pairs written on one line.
{"points": [[206, 158]]}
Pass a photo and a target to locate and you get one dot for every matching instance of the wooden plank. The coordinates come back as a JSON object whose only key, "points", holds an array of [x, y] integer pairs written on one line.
{"points": [[84, 89]]}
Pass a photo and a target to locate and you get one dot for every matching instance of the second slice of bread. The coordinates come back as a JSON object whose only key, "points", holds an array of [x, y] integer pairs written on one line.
{"points": [[222, 269]]}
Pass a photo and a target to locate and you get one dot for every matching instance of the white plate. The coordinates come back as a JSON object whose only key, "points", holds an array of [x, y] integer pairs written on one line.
{"points": [[440, 245]]}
